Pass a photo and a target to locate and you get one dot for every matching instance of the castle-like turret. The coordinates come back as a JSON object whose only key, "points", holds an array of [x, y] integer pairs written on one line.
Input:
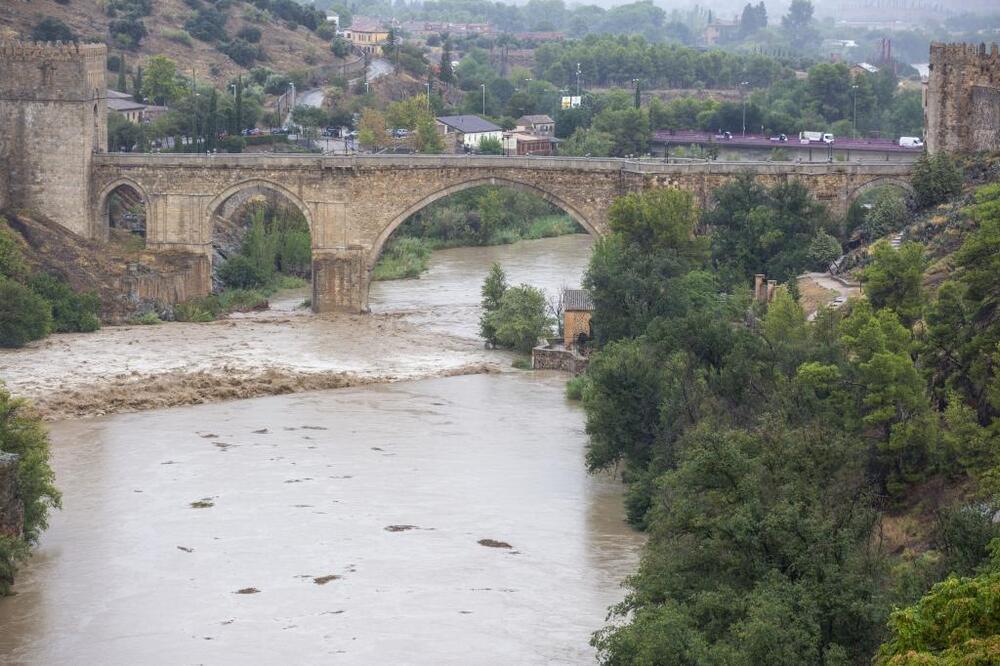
{"points": [[962, 98], [53, 118]]}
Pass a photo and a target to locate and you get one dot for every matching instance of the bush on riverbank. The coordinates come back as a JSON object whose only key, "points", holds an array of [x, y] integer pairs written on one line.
{"points": [[513, 317], [214, 306], [33, 305], [22, 433], [403, 258]]}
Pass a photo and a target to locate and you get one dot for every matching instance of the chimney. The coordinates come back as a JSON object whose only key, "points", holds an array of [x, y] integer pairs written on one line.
{"points": [[758, 287], [772, 286]]}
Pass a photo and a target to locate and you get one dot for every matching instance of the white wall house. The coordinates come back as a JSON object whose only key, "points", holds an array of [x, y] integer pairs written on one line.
{"points": [[469, 129]]}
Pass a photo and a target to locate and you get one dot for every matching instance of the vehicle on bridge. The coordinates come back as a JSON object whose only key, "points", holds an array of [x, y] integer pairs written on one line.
{"points": [[815, 137]]}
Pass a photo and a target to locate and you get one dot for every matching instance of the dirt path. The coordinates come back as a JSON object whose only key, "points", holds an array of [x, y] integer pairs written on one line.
{"points": [[817, 290]]}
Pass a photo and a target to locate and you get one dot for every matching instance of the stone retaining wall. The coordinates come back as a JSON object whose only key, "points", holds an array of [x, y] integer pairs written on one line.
{"points": [[553, 357]]}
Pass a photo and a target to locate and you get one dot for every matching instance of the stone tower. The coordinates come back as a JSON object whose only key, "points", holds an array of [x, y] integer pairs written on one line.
{"points": [[962, 99], [53, 118]]}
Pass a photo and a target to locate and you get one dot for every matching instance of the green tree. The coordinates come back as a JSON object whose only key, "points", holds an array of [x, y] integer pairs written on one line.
{"points": [[72, 312], [628, 129], [24, 315], [587, 143], [797, 23], [824, 249], [137, 84], [445, 72], [23, 434], [935, 179], [340, 47], [428, 139], [888, 213], [51, 29], [957, 622], [493, 289], [522, 318], [160, 84], [122, 85], [371, 129], [894, 279]]}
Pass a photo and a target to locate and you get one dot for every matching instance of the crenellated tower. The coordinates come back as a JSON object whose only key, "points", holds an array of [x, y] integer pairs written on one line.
{"points": [[962, 98], [53, 118]]}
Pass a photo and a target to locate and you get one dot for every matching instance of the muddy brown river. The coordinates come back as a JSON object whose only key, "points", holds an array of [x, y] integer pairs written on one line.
{"points": [[435, 521]]}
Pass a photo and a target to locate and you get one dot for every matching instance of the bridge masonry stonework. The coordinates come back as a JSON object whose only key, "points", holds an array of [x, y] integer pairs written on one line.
{"points": [[353, 204]]}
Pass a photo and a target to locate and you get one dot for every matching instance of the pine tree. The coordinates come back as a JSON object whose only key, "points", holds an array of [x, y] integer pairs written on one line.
{"points": [[446, 74], [122, 84], [137, 84]]}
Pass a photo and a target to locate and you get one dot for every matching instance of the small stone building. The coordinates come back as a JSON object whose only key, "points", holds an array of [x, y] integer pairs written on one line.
{"points": [[578, 307]]}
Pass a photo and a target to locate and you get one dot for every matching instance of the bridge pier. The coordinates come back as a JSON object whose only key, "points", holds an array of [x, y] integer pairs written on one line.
{"points": [[339, 281]]}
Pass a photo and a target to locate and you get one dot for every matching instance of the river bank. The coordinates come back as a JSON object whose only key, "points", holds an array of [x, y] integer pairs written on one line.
{"points": [[418, 329]]}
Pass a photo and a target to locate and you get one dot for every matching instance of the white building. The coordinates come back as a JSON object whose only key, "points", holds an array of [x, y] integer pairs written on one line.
{"points": [[469, 130]]}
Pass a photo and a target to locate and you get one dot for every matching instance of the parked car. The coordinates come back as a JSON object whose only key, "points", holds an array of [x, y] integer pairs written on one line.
{"points": [[781, 138], [400, 133]]}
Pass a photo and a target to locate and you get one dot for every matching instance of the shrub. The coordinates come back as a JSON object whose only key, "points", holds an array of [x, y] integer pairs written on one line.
{"points": [[240, 272], [11, 260], [148, 319], [490, 146], [52, 30], [127, 33], [240, 300], [197, 309], [249, 34], [242, 52], [72, 312], [404, 258], [935, 179], [114, 63], [887, 214], [22, 433], [234, 144], [208, 25], [24, 315], [177, 35], [575, 387]]}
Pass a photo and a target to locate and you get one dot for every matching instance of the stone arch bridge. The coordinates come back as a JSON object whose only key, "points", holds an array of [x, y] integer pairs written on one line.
{"points": [[354, 203]]}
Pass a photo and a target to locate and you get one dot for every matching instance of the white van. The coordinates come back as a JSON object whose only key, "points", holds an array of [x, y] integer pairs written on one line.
{"points": [[911, 142]]}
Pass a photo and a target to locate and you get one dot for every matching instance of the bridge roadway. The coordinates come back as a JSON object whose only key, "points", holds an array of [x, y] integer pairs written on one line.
{"points": [[353, 203]]}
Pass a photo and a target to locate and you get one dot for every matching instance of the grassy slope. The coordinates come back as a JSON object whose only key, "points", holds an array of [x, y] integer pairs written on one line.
{"points": [[286, 49]]}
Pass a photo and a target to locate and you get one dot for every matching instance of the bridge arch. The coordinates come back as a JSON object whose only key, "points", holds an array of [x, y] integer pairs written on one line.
{"points": [[102, 223], [541, 193], [880, 182], [258, 184]]}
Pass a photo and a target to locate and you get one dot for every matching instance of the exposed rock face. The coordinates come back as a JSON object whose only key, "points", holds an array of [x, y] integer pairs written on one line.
{"points": [[11, 508]]}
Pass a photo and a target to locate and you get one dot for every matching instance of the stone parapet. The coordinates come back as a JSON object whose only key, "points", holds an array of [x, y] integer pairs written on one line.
{"points": [[557, 357]]}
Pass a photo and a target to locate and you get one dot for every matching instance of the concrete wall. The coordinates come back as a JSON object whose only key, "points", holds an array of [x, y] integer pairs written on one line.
{"points": [[962, 99], [547, 357], [53, 117]]}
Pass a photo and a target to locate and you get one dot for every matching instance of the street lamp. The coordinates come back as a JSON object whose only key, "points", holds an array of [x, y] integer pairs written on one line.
{"points": [[577, 79], [743, 94], [483, 86], [233, 86], [428, 95]]}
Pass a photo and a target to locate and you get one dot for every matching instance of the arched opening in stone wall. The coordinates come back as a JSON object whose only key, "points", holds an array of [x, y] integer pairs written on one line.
{"points": [[877, 210], [261, 242], [431, 262], [124, 214]]}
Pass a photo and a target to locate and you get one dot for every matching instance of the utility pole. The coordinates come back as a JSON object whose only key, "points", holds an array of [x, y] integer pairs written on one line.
{"points": [[854, 123], [483, 86], [577, 79]]}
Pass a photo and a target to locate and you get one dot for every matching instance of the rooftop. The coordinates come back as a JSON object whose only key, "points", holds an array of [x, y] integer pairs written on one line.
{"points": [[117, 104], [577, 299], [114, 94], [365, 24], [468, 124], [535, 119]]}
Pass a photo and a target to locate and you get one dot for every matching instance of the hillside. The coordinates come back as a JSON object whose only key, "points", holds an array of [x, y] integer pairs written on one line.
{"points": [[284, 48]]}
